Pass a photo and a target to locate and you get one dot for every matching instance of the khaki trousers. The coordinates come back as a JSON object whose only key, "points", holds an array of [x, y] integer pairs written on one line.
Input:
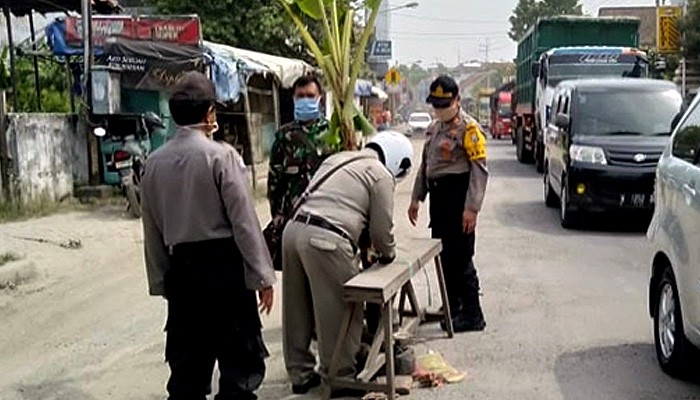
{"points": [[317, 263]]}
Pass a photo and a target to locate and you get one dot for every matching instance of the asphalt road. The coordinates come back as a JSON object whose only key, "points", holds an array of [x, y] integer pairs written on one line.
{"points": [[566, 310]]}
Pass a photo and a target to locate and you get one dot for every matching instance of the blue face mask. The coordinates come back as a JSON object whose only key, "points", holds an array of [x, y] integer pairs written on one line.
{"points": [[307, 109]]}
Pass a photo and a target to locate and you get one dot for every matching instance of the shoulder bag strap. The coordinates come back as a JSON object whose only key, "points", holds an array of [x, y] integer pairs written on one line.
{"points": [[320, 181]]}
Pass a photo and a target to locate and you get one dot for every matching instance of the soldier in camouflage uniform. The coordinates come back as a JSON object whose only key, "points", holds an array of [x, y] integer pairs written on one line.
{"points": [[298, 149], [297, 152]]}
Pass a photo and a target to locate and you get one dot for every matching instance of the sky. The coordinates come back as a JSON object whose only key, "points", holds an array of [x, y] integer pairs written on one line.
{"points": [[452, 31]]}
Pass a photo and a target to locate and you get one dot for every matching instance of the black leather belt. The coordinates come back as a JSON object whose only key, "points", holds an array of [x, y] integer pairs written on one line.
{"points": [[322, 223]]}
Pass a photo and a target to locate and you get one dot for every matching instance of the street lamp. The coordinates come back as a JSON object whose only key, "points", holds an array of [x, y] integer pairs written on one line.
{"points": [[412, 4]]}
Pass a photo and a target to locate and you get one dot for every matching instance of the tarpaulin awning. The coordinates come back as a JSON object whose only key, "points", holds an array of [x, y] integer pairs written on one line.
{"points": [[56, 40], [151, 65], [286, 70], [365, 88]]}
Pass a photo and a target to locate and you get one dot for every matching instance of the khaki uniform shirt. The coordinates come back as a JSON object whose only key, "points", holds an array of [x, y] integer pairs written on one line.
{"points": [[359, 195], [195, 189], [454, 148]]}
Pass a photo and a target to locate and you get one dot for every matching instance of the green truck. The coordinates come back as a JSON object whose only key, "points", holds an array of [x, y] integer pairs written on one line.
{"points": [[563, 48]]}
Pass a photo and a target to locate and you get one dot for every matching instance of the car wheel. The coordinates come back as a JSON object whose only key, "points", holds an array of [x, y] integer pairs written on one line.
{"points": [[550, 197], [673, 350], [568, 217], [539, 156]]}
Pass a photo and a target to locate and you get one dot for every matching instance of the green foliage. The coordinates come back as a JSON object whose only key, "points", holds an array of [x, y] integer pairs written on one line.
{"points": [[413, 73], [53, 80], [527, 12], [690, 26], [259, 25], [339, 51]]}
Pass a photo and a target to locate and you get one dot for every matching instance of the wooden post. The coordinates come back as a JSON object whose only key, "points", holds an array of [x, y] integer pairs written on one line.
{"points": [[249, 125], [389, 348], [13, 66], [37, 85], [93, 145], [4, 151]]}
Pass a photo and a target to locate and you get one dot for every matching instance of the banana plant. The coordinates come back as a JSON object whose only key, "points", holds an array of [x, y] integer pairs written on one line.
{"points": [[340, 59]]}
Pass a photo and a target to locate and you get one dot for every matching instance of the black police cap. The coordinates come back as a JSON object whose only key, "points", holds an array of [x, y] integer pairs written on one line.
{"points": [[443, 91]]}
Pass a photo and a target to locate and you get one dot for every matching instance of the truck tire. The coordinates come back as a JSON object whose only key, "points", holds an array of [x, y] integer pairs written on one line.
{"points": [[524, 156]]}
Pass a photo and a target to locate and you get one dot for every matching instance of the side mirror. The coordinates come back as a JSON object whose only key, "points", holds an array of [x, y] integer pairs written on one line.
{"points": [[535, 70], [562, 121], [99, 132], [676, 120]]}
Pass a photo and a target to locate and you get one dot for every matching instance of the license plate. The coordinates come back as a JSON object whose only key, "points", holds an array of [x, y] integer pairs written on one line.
{"points": [[122, 164], [636, 200]]}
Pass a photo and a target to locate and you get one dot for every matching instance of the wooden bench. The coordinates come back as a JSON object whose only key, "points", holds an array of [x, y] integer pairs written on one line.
{"points": [[380, 285]]}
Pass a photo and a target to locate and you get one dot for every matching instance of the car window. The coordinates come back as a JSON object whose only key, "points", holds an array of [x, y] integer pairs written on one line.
{"points": [[686, 143], [556, 104], [641, 112], [565, 109]]}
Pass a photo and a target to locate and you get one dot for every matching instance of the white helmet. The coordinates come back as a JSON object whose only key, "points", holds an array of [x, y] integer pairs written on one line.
{"points": [[395, 151]]}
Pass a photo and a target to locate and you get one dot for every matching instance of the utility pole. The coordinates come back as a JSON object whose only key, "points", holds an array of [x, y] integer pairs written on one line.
{"points": [[485, 48]]}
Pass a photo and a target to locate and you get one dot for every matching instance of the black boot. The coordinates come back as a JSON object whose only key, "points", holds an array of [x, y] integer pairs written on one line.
{"points": [[471, 319], [468, 318]]}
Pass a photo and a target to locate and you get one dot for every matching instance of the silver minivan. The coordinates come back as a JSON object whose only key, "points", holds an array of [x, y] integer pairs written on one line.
{"points": [[674, 233]]}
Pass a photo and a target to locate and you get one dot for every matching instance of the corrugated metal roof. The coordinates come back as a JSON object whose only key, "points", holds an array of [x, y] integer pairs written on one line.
{"points": [[24, 7]]}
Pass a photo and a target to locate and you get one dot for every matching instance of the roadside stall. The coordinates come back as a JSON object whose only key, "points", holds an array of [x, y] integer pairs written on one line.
{"points": [[137, 59], [256, 90]]}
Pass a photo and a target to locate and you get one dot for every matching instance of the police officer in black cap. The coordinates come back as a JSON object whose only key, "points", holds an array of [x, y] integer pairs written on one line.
{"points": [[453, 171], [205, 253]]}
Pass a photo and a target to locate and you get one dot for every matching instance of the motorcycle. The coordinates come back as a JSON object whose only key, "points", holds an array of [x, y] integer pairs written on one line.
{"points": [[129, 156]]}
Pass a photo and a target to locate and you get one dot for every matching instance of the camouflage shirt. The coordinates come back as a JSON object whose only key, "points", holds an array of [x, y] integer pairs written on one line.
{"points": [[297, 152]]}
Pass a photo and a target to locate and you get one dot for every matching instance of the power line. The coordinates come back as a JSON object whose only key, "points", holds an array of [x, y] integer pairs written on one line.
{"points": [[447, 34], [452, 20]]}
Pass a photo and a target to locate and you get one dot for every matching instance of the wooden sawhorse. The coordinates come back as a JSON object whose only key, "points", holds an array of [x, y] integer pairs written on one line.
{"points": [[380, 285]]}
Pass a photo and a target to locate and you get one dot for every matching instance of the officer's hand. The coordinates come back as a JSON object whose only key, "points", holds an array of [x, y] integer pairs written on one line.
{"points": [[267, 296], [469, 221], [413, 212]]}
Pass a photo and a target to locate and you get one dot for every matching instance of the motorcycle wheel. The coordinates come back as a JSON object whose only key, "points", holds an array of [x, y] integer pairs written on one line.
{"points": [[133, 197]]}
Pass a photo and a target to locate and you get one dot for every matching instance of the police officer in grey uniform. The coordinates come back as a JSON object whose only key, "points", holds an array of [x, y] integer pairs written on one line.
{"points": [[205, 253], [320, 250], [453, 170]]}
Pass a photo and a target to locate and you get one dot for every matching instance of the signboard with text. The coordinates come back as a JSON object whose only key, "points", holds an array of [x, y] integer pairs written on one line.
{"points": [[180, 30], [380, 50], [668, 38]]}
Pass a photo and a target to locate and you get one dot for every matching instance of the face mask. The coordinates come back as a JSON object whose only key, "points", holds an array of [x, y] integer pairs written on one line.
{"points": [[306, 109], [446, 114], [209, 128]]}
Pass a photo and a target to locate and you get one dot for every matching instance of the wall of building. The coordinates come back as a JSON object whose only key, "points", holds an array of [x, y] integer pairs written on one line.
{"points": [[647, 16], [48, 156]]}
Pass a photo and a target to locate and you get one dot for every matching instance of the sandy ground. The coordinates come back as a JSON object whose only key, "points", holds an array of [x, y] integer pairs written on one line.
{"points": [[566, 310]]}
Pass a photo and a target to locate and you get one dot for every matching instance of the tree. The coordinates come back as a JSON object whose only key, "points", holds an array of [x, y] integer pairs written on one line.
{"points": [[53, 80], [527, 12], [689, 26], [259, 25], [340, 54]]}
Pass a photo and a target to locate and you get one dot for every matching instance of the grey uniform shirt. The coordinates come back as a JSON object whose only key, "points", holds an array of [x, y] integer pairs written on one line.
{"points": [[360, 194], [196, 189], [447, 151]]}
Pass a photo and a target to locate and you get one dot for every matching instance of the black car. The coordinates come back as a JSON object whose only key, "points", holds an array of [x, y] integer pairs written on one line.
{"points": [[603, 143]]}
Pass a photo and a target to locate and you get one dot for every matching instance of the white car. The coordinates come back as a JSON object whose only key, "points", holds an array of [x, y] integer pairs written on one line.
{"points": [[674, 233], [419, 122]]}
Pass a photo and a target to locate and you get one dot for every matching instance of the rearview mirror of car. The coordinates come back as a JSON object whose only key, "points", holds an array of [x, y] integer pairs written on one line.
{"points": [[535, 70]]}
